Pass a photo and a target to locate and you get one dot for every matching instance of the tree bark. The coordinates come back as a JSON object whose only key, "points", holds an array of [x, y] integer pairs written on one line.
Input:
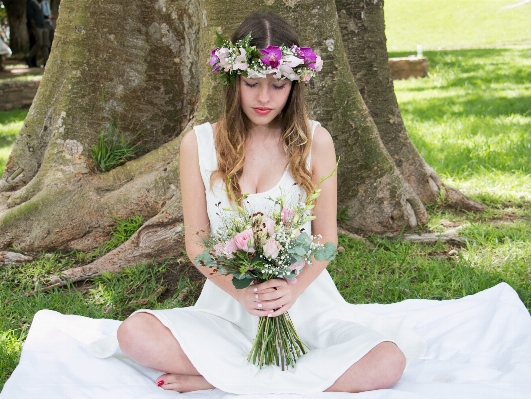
{"points": [[363, 31], [18, 33], [142, 64]]}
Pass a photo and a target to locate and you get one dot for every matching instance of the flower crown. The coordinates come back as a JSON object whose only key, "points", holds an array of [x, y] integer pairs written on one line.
{"points": [[293, 63]]}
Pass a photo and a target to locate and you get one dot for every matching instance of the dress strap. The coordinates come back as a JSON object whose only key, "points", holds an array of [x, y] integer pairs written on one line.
{"points": [[206, 151], [313, 125]]}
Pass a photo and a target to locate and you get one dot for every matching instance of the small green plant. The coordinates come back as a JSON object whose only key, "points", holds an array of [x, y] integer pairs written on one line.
{"points": [[113, 149], [123, 230], [343, 216]]}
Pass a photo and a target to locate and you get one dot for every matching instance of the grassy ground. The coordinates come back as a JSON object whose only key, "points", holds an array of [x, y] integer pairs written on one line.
{"points": [[10, 123], [455, 24], [470, 119]]}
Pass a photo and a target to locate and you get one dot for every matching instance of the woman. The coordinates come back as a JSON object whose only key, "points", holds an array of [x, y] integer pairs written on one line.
{"points": [[265, 144]]}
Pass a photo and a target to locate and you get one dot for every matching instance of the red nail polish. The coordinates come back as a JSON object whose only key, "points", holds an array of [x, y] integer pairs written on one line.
{"points": [[160, 383]]}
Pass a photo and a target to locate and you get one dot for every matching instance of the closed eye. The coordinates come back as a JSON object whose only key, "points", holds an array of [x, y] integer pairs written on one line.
{"points": [[280, 87], [249, 84]]}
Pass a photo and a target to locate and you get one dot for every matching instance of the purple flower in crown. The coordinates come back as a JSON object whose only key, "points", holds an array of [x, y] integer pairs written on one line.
{"points": [[309, 56], [213, 57], [272, 56]]}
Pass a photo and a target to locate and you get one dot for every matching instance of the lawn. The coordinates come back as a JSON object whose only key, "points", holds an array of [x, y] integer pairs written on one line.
{"points": [[455, 24], [470, 119]]}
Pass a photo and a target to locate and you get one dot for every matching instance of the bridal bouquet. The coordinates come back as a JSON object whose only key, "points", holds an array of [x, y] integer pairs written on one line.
{"points": [[254, 248]]}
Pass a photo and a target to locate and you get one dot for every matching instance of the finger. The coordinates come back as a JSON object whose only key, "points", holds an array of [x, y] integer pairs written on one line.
{"points": [[279, 311], [271, 284]]}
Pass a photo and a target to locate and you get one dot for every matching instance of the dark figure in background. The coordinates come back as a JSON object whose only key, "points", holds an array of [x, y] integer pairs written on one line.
{"points": [[47, 12], [33, 61], [42, 39]]}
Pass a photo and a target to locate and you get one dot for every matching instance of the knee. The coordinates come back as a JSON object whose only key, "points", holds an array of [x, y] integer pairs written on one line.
{"points": [[134, 333], [392, 363]]}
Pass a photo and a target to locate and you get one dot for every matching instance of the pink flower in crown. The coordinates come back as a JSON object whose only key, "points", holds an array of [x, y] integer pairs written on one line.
{"points": [[241, 61], [318, 64], [308, 55], [272, 56], [244, 240], [271, 248], [287, 215], [297, 266], [223, 55], [306, 75]]}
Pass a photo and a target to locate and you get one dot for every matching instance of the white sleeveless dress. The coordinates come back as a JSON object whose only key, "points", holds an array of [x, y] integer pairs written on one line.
{"points": [[217, 333]]}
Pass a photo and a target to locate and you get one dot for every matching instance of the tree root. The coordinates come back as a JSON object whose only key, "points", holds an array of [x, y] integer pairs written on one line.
{"points": [[160, 237]]}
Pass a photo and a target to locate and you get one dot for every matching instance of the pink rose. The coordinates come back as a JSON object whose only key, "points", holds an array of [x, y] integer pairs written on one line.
{"points": [[230, 247], [269, 225], [271, 248], [244, 240], [297, 266], [287, 215]]}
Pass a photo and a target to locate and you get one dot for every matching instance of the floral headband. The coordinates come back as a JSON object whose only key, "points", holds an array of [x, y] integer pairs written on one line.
{"points": [[293, 63]]}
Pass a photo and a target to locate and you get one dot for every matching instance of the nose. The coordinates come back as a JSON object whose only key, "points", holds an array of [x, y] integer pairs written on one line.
{"points": [[263, 93]]}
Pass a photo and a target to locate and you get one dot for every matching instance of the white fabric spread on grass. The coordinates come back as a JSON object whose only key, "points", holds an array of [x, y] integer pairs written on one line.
{"points": [[478, 347]]}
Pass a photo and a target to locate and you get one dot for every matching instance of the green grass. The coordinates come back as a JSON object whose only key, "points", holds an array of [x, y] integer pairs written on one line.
{"points": [[10, 124], [471, 118], [455, 24]]}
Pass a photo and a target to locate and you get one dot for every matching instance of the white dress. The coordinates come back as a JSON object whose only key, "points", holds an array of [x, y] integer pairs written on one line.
{"points": [[217, 333]]}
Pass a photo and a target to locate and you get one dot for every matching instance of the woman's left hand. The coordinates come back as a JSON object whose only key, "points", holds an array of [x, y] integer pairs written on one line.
{"points": [[278, 301]]}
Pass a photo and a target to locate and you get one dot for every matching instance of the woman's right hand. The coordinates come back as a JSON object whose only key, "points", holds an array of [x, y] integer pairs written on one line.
{"points": [[249, 298]]}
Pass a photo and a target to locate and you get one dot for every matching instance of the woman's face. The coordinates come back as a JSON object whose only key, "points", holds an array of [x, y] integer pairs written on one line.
{"points": [[263, 99]]}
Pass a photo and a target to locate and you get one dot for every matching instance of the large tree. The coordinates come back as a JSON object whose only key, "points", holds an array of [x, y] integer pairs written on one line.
{"points": [[362, 28], [18, 33], [141, 64]]}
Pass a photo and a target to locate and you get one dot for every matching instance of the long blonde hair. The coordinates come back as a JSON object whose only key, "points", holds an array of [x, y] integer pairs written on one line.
{"points": [[231, 130]]}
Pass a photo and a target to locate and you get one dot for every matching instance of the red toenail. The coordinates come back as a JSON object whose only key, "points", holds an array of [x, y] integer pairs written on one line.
{"points": [[160, 383]]}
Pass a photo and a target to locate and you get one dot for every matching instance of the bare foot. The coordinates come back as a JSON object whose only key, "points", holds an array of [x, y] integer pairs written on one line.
{"points": [[183, 383]]}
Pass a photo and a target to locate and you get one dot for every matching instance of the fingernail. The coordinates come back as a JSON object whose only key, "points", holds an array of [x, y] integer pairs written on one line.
{"points": [[270, 315], [160, 383], [256, 296], [259, 305], [256, 290]]}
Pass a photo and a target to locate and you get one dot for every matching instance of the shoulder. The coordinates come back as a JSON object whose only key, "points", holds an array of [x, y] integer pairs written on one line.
{"points": [[323, 152], [199, 135]]}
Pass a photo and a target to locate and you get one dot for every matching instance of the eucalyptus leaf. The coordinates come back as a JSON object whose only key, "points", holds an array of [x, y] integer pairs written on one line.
{"points": [[241, 283], [327, 252], [205, 259]]}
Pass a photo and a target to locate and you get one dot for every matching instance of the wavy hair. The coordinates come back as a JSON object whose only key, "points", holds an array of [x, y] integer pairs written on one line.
{"points": [[231, 130]]}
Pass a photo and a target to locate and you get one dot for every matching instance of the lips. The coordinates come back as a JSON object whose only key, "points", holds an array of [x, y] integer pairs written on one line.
{"points": [[262, 110]]}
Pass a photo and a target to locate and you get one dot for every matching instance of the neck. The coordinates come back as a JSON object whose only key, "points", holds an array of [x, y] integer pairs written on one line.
{"points": [[273, 129]]}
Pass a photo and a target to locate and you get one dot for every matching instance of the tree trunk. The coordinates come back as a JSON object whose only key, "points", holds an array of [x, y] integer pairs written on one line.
{"points": [[363, 31], [18, 33], [142, 64]]}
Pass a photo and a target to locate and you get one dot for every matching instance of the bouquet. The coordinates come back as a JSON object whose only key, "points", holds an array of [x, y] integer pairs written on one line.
{"points": [[254, 248]]}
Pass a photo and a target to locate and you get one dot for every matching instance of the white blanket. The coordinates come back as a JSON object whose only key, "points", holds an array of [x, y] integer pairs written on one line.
{"points": [[478, 347]]}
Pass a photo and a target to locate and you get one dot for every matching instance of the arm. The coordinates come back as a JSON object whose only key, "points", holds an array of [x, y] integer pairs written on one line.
{"points": [[197, 224], [322, 164]]}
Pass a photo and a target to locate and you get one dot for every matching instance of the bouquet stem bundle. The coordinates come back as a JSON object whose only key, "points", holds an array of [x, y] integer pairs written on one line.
{"points": [[276, 342]]}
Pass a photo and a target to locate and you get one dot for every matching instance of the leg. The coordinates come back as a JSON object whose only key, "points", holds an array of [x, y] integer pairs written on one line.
{"points": [[145, 339], [381, 368]]}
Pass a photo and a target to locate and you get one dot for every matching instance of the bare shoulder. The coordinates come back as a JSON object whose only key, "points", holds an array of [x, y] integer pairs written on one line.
{"points": [[189, 141], [322, 144]]}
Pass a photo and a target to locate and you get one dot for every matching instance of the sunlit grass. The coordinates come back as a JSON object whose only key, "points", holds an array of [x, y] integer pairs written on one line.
{"points": [[10, 124], [453, 24], [470, 119]]}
